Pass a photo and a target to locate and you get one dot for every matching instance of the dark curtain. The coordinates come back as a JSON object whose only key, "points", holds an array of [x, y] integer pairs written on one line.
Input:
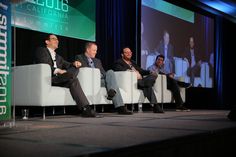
{"points": [[225, 61], [26, 42], [116, 27], [218, 60]]}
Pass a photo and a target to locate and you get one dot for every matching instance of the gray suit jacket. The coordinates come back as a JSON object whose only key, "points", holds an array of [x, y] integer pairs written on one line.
{"points": [[85, 63]]}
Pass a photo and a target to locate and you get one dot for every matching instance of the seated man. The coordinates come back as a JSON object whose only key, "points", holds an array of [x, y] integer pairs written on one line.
{"points": [[172, 84], [108, 78], [64, 73], [193, 60], [144, 83]]}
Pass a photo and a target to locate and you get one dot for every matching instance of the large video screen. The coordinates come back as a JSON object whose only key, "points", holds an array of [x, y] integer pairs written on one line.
{"points": [[185, 38], [71, 18]]}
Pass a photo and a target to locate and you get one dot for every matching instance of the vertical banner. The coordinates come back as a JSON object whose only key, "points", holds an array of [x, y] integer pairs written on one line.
{"points": [[5, 60]]}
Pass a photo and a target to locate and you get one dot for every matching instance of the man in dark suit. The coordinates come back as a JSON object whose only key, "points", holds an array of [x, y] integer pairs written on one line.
{"points": [[107, 78], [193, 60], [172, 84], [64, 73], [144, 83], [166, 49]]}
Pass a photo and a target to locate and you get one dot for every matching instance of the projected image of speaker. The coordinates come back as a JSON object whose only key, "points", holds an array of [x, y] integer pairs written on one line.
{"points": [[184, 37]]}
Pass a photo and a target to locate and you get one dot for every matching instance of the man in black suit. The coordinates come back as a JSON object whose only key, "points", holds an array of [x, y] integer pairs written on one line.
{"points": [[107, 78], [144, 83], [64, 73], [193, 60]]}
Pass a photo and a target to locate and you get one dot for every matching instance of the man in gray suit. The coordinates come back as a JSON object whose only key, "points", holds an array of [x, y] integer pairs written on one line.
{"points": [[166, 49], [107, 78], [64, 73]]}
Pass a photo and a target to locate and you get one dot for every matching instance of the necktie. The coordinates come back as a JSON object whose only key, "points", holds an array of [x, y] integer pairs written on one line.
{"points": [[91, 64]]}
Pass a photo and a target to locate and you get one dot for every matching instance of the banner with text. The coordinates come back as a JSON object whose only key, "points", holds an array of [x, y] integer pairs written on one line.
{"points": [[5, 60], [70, 18]]}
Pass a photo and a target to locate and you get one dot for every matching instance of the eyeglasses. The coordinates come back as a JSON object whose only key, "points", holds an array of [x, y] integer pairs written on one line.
{"points": [[53, 39]]}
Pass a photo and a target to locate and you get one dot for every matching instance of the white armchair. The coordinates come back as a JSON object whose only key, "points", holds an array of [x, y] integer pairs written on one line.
{"points": [[135, 95], [32, 87], [90, 80], [127, 80]]}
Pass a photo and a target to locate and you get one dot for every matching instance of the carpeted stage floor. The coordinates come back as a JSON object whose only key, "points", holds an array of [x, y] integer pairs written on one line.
{"points": [[192, 134]]}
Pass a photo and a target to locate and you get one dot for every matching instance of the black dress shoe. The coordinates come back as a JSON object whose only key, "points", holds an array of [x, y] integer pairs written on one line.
{"points": [[88, 112], [184, 84], [157, 109], [123, 110], [182, 108], [232, 114], [110, 94]]}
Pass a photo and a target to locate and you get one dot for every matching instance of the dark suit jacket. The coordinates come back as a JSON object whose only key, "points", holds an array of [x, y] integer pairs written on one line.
{"points": [[170, 50], [188, 55], [170, 54], [121, 65], [42, 55], [97, 63], [145, 82]]}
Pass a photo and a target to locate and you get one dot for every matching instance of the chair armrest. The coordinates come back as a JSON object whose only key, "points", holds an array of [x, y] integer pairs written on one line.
{"points": [[90, 80], [31, 83], [126, 80]]}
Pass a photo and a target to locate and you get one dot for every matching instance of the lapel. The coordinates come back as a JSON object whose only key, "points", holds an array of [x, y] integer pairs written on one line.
{"points": [[126, 65], [95, 63], [49, 56], [85, 59]]}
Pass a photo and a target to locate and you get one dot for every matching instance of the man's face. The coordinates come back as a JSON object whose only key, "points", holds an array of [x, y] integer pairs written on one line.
{"points": [[166, 38], [159, 61], [91, 51], [52, 42], [127, 54], [191, 42]]}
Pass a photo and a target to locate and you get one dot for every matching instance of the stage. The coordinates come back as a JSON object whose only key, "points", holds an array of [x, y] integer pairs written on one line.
{"points": [[195, 133]]}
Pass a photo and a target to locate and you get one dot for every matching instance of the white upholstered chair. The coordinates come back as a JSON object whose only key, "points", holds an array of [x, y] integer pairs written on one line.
{"points": [[136, 96], [32, 87]]}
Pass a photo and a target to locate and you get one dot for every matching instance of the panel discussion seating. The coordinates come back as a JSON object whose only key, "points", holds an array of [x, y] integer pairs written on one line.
{"points": [[32, 87]]}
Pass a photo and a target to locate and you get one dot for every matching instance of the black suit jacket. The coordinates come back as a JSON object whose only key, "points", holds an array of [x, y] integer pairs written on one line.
{"points": [[121, 65], [170, 50], [97, 63], [170, 54], [42, 55], [188, 54], [145, 82]]}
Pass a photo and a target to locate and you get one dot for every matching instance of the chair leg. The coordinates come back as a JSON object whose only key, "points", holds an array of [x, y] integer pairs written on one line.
{"points": [[102, 108], [44, 117], [132, 107], [53, 110], [64, 110]]}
